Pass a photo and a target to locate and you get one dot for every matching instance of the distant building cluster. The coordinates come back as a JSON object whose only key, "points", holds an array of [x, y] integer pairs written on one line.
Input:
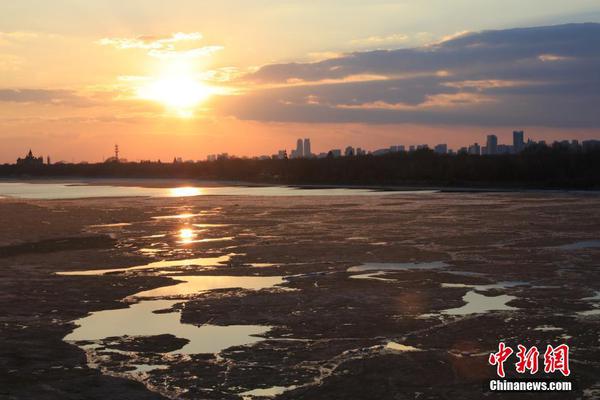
{"points": [[303, 150], [215, 157], [491, 147], [519, 144]]}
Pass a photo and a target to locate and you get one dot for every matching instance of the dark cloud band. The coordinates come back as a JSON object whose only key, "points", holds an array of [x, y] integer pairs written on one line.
{"points": [[546, 76]]}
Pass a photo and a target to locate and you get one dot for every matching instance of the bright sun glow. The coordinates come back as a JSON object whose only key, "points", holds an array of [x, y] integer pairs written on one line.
{"points": [[181, 94], [185, 191], [186, 235]]}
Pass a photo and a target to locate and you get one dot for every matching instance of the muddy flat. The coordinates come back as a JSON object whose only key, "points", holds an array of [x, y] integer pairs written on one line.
{"points": [[381, 296]]}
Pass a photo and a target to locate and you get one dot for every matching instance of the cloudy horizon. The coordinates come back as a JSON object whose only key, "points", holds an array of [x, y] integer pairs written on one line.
{"points": [[250, 84]]}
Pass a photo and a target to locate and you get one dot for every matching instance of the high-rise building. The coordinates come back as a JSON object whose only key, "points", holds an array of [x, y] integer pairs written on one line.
{"points": [[589, 145], [492, 144], [441, 148], [307, 151], [518, 141], [475, 149], [299, 149], [504, 149]]}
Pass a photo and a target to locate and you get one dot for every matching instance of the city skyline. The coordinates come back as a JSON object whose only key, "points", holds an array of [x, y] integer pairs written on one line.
{"points": [[303, 149], [193, 78], [492, 147]]}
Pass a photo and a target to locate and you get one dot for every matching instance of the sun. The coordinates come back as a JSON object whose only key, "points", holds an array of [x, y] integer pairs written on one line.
{"points": [[181, 94]]}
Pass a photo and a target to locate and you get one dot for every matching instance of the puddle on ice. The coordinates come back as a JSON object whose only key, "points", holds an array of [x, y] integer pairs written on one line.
{"points": [[585, 244], [261, 265], [482, 288], [478, 303], [547, 328], [595, 311], [146, 250], [595, 297], [210, 225], [595, 300], [115, 225], [201, 262], [466, 273], [179, 216], [384, 268], [187, 236], [153, 316], [373, 275], [267, 392], [144, 368], [400, 347], [140, 319], [207, 240], [396, 266], [197, 284]]}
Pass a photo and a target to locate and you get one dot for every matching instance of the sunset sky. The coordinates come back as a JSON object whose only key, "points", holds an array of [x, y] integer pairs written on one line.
{"points": [[191, 78]]}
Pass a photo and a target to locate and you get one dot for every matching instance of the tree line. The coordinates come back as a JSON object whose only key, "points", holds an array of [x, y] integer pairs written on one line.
{"points": [[535, 167]]}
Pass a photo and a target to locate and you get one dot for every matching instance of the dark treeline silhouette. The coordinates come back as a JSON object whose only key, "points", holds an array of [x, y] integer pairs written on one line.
{"points": [[535, 167]]}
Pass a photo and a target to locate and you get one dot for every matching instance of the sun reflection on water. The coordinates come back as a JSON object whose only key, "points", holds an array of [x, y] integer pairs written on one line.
{"points": [[185, 191], [186, 235], [177, 216]]}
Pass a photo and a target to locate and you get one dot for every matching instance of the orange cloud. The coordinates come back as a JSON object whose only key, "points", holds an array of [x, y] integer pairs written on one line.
{"points": [[175, 46]]}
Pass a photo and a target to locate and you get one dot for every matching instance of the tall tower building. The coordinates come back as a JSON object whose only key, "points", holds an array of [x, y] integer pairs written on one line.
{"points": [[299, 149], [475, 149], [518, 141], [492, 144], [307, 152], [441, 148]]}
